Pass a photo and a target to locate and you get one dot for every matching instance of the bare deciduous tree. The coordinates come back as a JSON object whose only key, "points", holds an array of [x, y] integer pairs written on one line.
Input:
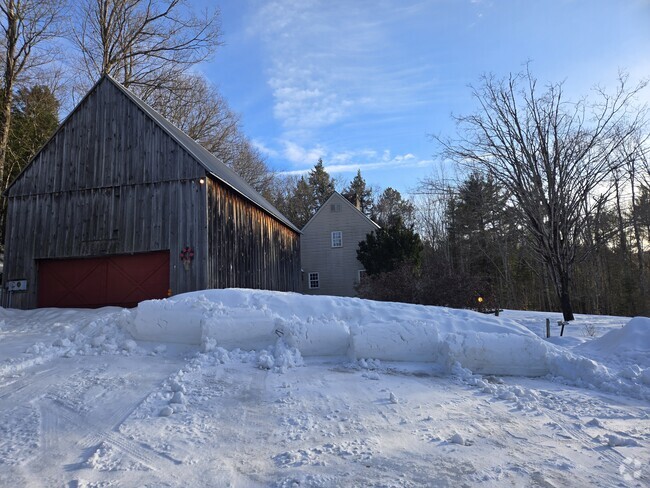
{"points": [[252, 167], [144, 44], [199, 110], [551, 155]]}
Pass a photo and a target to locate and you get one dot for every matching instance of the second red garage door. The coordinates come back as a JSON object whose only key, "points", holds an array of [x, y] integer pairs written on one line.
{"points": [[96, 282]]}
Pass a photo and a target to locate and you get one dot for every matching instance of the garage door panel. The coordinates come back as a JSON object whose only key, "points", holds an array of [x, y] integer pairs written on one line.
{"points": [[97, 282], [131, 281], [138, 268], [72, 285]]}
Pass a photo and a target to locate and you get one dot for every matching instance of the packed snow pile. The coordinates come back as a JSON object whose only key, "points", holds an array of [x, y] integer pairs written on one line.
{"points": [[631, 342], [355, 328], [69, 333]]}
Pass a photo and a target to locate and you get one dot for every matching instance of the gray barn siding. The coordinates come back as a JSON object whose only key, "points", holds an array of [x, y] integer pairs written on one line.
{"points": [[247, 247], [112, 181], [109, 182], [119, 220]]}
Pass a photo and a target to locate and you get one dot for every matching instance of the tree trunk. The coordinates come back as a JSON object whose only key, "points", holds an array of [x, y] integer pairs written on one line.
{"points": [[622, 244], [565, 300], [638, 240], [5, 123], [7, 90]]}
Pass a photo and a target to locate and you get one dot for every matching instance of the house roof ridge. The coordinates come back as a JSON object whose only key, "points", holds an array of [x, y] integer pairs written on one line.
{"points": [[346, 201]]}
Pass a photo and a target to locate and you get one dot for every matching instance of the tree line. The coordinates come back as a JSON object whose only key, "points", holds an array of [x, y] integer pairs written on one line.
{"points": [[552, 211]]}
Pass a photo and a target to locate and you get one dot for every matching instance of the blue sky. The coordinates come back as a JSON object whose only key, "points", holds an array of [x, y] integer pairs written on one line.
{"points": [[363, 84]]}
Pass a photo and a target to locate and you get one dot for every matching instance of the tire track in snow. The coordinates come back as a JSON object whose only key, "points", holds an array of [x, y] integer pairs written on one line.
{"points": [[29, 386], [611, 457], [49, 427], [96, 434]]}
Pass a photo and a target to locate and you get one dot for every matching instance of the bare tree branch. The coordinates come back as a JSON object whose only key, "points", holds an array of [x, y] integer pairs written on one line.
{"points": [[554, 157]]}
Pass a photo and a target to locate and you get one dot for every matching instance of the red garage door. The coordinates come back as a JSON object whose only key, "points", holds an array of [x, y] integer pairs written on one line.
{"points": [[96, 282]]}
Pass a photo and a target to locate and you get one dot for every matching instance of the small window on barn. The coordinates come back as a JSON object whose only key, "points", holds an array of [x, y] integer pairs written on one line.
{"points": [[362, 274], [335, 207], [337, 238], [314, 281]]}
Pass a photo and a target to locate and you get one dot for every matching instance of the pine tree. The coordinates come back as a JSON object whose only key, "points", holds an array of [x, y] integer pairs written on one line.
{"points": [[34, 118], [391, 209], [388, 248], [322, 185], [35, 115], [479, 232], [359, 195], [301, 204]]}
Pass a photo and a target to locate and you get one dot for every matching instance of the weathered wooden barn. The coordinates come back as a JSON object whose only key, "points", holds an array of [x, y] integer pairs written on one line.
{"points": [[121, 206]]}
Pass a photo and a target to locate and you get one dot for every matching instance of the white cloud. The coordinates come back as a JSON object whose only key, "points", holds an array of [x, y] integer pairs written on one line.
{"points": [[264, 149], [348, 161], [300, 156], [330, 61]]}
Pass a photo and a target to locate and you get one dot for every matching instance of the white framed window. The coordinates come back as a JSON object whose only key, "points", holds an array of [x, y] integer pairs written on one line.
{"points": [[361, 274], [314, 281], [337, 238], [335, 207]]}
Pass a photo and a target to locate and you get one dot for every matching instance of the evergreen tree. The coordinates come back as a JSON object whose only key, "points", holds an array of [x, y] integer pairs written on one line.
{"points": [[642, 209], [479, 233], [359, 195], [300, 206], [388, 248], [391, 209], [35, 115], [322, 185]]}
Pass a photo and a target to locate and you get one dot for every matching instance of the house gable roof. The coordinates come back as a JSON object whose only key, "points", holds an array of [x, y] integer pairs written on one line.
{"points": [[337, 196], [210, 163]]}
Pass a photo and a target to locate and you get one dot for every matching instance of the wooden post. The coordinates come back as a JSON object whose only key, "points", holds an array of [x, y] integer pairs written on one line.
{"points": [[563, 323], [548, 328], [496, 312]]}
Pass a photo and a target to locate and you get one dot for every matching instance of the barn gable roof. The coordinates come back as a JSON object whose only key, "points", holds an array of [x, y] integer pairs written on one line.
{"points": [[211, 163]]}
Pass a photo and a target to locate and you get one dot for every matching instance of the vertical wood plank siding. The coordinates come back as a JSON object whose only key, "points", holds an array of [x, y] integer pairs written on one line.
{"points": [[247, 248], [111, 181]]}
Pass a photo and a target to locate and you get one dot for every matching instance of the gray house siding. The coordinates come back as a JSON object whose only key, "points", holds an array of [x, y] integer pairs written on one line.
{"points": [[338, 267]]}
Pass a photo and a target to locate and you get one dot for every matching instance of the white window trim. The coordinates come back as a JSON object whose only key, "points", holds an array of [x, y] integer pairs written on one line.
{"points": [[359, 274], [317, 280], [340, 235]]}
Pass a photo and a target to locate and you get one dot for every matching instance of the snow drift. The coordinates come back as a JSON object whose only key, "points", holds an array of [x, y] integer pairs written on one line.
{"points": [[335, 326], [631, 342]]}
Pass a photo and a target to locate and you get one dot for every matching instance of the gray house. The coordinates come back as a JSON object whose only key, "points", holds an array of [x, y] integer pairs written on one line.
{"points": [[121, 206], [328, 248]]}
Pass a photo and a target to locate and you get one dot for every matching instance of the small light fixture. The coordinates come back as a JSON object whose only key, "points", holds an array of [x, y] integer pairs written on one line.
{"points": [[201, 181]]}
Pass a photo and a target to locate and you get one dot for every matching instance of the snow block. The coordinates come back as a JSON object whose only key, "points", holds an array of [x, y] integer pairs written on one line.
{"points": [[395, 341], [316, 336], [240, 328], [162, 320]]}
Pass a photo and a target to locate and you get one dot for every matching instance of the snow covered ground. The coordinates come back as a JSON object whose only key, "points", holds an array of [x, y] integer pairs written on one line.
{"points": [[249, 388]]}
